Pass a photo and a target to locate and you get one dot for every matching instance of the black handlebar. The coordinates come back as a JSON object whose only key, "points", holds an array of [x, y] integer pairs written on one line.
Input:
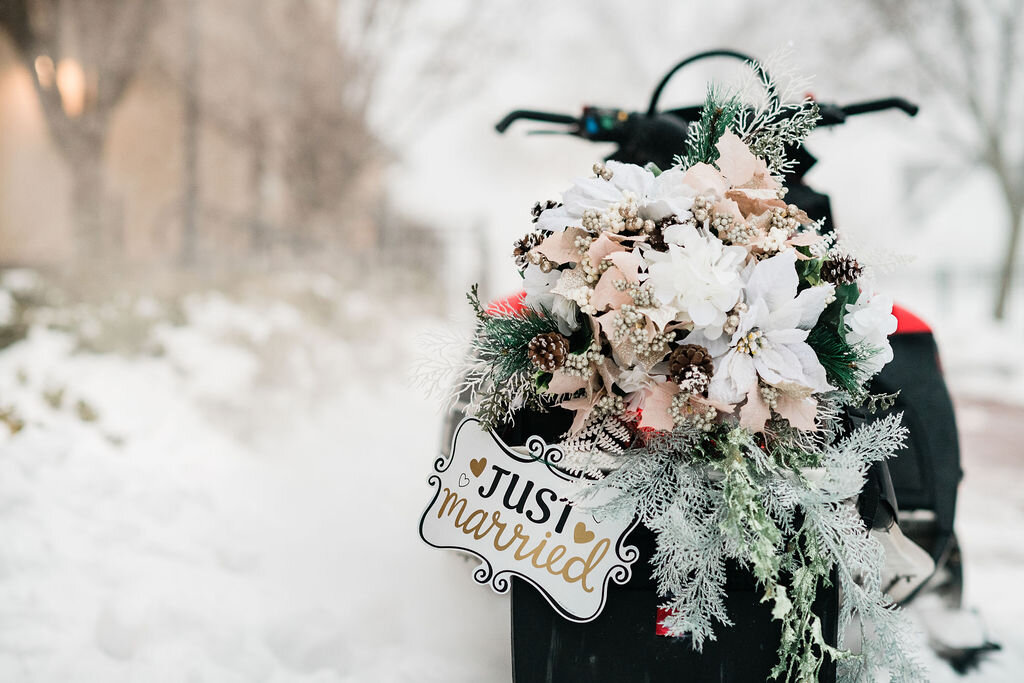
{"points": [[534, 116], [652, 109], [831, 115], [909, 108], [656, 137], [617, 125]]}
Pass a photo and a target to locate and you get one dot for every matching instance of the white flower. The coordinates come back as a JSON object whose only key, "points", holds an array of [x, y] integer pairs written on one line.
{"points": [[656, 196], [539, 295], [770, 342], [870, 322], [637, 384], [698, 277], [634, 379]]}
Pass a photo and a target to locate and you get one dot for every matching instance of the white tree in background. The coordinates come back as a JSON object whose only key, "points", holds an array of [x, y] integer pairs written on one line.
{"points": [[972, 52]]}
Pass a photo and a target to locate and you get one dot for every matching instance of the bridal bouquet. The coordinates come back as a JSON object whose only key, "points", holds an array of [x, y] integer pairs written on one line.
{"points": [[709, 339]]}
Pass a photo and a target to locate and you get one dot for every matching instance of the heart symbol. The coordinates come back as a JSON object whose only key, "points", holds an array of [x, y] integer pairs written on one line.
{"points": [[477, 466], [463, 480], [581, 534]]}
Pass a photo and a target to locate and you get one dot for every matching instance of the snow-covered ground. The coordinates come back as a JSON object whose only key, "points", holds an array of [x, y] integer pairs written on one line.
{"points": [[240, 507], [236, 499]]}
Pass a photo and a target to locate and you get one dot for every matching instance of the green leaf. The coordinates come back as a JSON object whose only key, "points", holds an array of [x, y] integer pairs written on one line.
{"points": [[841, 360], [810, 270], [783, 604], [845, 295], [541, 380]]}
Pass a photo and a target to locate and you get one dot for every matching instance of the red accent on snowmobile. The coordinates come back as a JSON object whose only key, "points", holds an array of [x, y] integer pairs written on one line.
{"points": [[510, 304], [659, 625], [908, 323]]}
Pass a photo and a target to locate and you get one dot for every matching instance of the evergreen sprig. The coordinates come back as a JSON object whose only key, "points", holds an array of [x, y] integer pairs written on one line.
{"points": [[776, 115], [503, 337], [803, 649], [768, 133], [794, 534], [747, 523], [500, 345], [716, 117], [841, 360]]}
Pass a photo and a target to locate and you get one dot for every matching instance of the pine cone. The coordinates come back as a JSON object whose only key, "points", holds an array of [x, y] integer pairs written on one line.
{"points": [[657, 238], [842, 270], [541, 207], [694, 381], [548, 351], [689, 359], [526, 243]]}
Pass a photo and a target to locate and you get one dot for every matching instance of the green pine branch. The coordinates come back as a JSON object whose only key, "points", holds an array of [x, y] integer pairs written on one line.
{"points": [[716, 117], [840, 359], [502, 337]]}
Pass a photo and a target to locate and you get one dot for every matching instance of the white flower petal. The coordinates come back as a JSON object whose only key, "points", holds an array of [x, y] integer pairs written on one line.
{"points": [[630, 177], [703, 313], [786, 317], [717, 345], [812, 302], [813, 371], [776, 365], [680, 234], [774, 280], [756, 315], [784, 336], [539, 296], [698, 276], [734, 375], [669, 196]]}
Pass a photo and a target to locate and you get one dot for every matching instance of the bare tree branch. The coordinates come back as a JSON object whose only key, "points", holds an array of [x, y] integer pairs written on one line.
{"points": [[985, 35]]}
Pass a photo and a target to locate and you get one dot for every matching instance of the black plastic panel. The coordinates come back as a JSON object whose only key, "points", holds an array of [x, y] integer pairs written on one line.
{"points": [[621, 645]]}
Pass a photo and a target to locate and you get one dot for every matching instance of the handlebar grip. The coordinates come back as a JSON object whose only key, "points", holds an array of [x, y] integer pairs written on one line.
{"points": [[909, 108], [546, 117]]}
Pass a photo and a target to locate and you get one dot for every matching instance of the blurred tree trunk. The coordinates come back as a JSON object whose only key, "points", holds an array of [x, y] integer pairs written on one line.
{"points": [[89, 200], [98, 43], [259, 240], [1009, 268], [190, 141]]}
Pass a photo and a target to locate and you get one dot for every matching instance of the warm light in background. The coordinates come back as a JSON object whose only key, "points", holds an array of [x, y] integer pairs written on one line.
{"points": [[45, 71], [71, 84]]}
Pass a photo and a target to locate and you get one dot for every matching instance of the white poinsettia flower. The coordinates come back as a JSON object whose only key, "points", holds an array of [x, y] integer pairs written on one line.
{"points": [[539, 295], [770, 342], [668, 196], [657, 197], [698, 278], [870, 322]]}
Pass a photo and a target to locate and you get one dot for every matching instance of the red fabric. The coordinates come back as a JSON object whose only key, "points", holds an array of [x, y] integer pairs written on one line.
{"points": [[511, 304], [659, 626], [907, 322]]}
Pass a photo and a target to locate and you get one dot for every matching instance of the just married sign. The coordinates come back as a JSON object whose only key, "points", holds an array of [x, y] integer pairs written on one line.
{"points": [[512, 511]]}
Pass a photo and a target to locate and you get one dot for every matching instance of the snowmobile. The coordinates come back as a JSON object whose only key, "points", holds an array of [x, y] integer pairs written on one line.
{"points": [[923, 477]]}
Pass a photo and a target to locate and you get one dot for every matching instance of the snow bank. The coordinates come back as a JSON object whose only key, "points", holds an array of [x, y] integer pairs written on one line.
{"points": [[241, 507]]}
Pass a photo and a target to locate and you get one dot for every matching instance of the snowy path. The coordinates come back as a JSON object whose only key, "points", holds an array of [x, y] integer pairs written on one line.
{"points": [[990, 526], [247, 512]]}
